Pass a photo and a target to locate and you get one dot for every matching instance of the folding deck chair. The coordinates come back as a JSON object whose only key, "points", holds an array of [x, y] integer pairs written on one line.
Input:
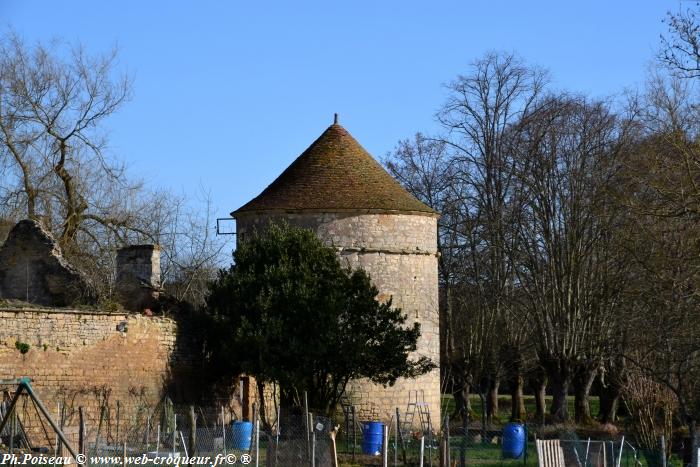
{"points": [[549, 453]]}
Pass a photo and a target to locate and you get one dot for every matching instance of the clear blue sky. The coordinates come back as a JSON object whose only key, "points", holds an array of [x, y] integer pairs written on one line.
{"points": [[228, 93]]}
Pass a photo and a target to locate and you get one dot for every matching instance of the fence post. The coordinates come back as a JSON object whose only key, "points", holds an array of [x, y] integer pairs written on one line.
{"points": [[174, 433], [385, 446], [622, 447], [251, 448], [422, 449], [431, 442], [13, 429], [59, 446], [99, 425], [463, 446], [119, 406], [354, 433], [662, 448], [446, 436], [525, 447], [442, 455], [81, 431], [223, 430], [313, 449], [307, 426], [403, 444], [193, 432], [396, 438], [184, 444], [257, 442], [277, 433], [695, 448], [605, 455], [334, 448], [346, 412]]}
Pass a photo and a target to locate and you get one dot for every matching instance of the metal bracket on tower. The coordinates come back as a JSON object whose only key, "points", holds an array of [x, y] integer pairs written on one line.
{"points": [[225, 226]]}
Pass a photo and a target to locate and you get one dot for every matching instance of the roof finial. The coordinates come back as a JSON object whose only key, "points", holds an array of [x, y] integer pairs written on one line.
{"points": [[335, 118]]}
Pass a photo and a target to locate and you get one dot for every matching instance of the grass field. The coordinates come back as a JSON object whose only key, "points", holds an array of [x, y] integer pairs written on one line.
{"points": [[490, 455], [487, 452], [448, 405]]}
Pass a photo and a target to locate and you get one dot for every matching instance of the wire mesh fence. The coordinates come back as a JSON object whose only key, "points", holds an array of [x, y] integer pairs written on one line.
{"points": [[490, 447], [183, 434], [299, 439], [205, 436]]}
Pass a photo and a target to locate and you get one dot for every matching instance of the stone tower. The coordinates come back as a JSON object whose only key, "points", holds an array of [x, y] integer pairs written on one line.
{"points": [[338, 190]]}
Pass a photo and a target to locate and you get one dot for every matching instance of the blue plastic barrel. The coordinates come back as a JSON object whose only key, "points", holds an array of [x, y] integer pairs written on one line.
{"points": [[242, 435], [372, 434], [513, 445]]}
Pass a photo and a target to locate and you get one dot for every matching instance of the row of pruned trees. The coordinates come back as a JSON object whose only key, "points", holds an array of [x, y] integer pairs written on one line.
{"points": [[569, 239]]}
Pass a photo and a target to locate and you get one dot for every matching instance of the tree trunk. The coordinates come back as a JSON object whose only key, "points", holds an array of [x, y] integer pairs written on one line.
{"points": [[448, 318], [461, 396], [492, 401], [262, 412], [610, 391], [609, 402], [609, 399], [539, 388], [75, 205], [582, 382], [482, 398], [517, 403], [559, 377]]}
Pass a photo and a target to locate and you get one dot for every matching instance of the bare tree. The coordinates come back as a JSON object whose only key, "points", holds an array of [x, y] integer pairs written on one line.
{"points": [[574, 220], [650, 407], [471, 168], [568, 269], [481, 111], [193, 252], [56, 168], [424, 167], [680, 50], [662, 240], [50, 115]]}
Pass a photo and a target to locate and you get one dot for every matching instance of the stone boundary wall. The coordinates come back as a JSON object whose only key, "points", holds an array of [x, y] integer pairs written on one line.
{"points": [[90, 359]]}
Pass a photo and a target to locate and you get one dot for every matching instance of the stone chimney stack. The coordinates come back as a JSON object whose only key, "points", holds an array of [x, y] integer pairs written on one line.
{"points": [[138, 276]]}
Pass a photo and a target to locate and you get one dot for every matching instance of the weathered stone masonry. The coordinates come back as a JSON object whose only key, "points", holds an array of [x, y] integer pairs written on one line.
{"points": [[79, 358], [92, 358], [337, 189], [33, 270], [399, 253]]}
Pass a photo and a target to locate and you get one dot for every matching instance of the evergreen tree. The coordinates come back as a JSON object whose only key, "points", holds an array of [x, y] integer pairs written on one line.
{"points": [[295, 316]]}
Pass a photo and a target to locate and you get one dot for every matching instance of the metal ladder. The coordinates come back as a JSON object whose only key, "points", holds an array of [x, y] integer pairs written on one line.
{"points": [[416, 403]]}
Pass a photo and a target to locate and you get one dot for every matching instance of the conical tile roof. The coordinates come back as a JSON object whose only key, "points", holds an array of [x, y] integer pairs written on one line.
{"points": [[335, 173]]}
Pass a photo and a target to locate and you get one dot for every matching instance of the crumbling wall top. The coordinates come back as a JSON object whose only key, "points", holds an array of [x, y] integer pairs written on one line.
{"points": [[33, 269]]}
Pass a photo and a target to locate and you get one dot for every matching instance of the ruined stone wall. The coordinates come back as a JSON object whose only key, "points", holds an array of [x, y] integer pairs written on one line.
{"points": [[80, 358], [400, 253], [138, 282], [33, 270]]}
